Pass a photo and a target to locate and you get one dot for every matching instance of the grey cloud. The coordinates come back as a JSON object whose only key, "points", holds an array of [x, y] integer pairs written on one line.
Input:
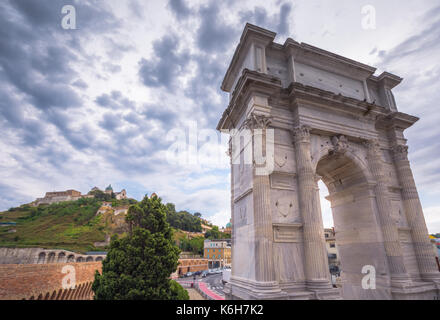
{"points": [[283, 26], [160, 113], [80, 84], [214, 35], [179, 8], [418, 94], [110, 121], [12, 196], [279, 22], [35, 57], [166, 65], [115, 100], [112, 68]]}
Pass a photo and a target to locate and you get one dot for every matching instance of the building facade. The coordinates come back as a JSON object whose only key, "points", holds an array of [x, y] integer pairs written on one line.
{"points": [[332, 251], [218, 253], [73, 195]]}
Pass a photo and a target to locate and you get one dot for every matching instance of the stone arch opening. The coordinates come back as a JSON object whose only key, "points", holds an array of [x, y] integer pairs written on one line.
{"points": [[71, 258], [41, 258], [79, 259], [51, 257], [99, 259], [89, 259], [61, 257], [357, 230]]}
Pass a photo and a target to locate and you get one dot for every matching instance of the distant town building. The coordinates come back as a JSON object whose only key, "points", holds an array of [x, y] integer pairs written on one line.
{"points": [[228, 228], [109, 189], [436, 245], [59, 196], [121, 195], [72, 195], [332, 251], [217, 252], [205, 228]]}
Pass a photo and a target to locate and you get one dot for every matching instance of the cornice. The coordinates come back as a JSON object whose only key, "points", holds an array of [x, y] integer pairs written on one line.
{"points": [[298, 92], [249, 79], [250, 32]]}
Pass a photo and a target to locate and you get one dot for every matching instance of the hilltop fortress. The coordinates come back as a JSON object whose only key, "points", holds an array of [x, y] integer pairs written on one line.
{"points": [[72, 195]]}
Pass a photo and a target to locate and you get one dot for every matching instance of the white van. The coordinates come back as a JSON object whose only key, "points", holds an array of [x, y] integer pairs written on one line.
{"points": [[226, 277]]}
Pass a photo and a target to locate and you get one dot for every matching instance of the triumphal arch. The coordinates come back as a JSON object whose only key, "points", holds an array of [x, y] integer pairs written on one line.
{"points": [[310, 114]]}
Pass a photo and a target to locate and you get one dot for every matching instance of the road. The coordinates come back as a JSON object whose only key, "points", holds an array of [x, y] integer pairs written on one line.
{"points": [[214, 283]]}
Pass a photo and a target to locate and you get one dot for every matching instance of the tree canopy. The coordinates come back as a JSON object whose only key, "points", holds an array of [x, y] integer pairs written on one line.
{"points": [[138, 266], [215, 234], [182, 220], [194, 245]]}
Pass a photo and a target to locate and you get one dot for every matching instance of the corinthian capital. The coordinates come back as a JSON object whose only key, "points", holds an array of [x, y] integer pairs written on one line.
{"points": [[400, 152], [257, 121], [301, 133]]}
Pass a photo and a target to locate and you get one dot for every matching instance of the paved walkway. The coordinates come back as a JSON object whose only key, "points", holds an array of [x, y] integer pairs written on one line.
{"points": [[194, 294]]}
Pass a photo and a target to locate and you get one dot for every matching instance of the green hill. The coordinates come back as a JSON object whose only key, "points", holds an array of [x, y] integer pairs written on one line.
{"points": [[71, 225], [75, 226]]}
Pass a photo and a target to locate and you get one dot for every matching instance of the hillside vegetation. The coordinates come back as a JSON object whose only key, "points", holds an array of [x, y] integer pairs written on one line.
{"points": [[75, 226], [71, 225]]}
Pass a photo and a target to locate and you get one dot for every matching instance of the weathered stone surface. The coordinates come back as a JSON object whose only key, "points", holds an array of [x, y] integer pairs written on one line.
{"points": [[328, 118]]}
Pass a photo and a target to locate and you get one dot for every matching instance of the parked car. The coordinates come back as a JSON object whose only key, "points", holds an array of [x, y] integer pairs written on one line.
{"points": [[188, 274], [205, 273], [211, 271], [197, 273]]}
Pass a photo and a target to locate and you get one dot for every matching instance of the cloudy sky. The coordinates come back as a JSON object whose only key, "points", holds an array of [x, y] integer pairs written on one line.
{"points": [[103, 103]]}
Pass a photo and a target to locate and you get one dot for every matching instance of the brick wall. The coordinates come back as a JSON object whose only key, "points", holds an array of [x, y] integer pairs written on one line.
{"points": [[44, 281], [191, 265]]}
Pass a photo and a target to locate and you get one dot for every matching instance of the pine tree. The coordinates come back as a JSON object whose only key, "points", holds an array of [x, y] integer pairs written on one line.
{"points": [[138, 266]]}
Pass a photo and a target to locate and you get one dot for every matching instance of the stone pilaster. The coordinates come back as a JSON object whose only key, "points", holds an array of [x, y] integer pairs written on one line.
{"points": [[316, 261], [389, 228], [264, 267], [230, 154], [414, 213]]}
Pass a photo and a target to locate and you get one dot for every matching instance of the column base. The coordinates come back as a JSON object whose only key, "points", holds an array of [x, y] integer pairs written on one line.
{"points": [[415, 290], [323, 290], [431, 277], [243, 289]]}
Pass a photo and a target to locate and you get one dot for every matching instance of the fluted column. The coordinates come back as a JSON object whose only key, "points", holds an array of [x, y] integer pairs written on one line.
{"points": [[389, 228], [414, 214], [264, 267], [316, 261]]}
